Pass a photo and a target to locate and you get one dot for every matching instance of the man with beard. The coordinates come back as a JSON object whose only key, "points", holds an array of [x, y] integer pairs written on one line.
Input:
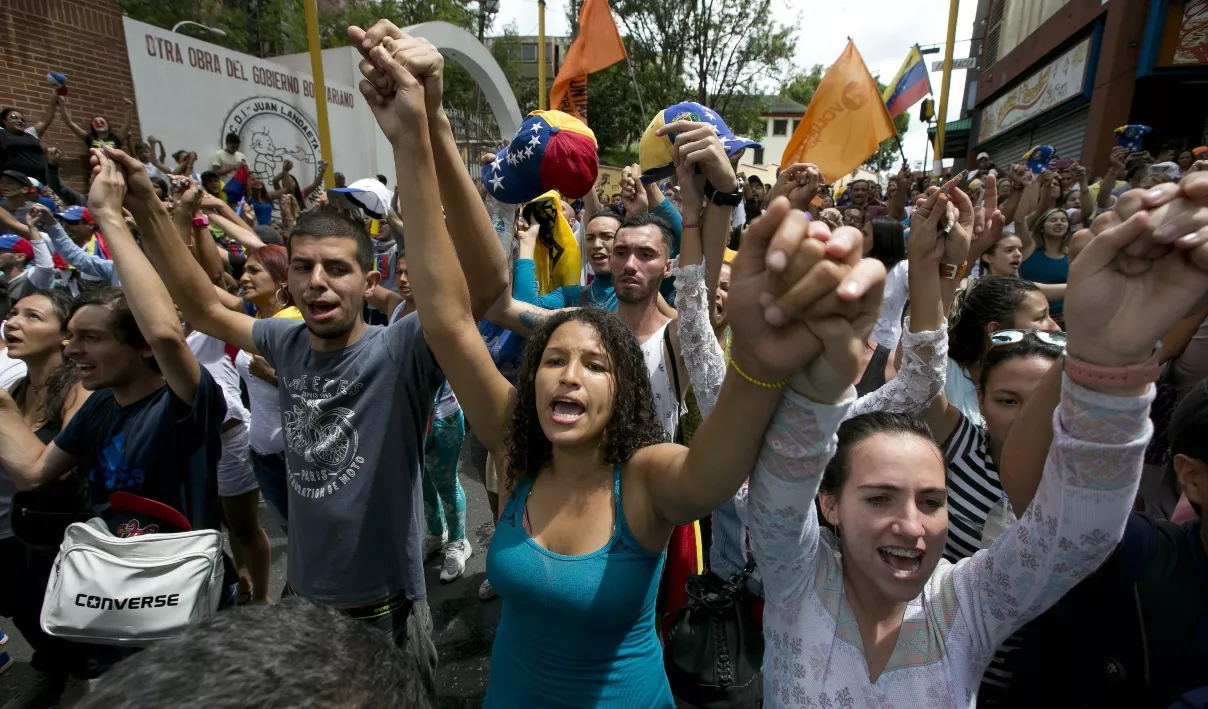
{"points": [[355, 398]]}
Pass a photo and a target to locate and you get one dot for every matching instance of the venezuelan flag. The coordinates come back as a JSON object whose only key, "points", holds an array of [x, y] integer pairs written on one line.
{"points": [[909, 86]]}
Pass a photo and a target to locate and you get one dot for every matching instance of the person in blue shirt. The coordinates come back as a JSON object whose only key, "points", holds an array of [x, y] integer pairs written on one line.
{"points": [[600, 231], [260, 199]]}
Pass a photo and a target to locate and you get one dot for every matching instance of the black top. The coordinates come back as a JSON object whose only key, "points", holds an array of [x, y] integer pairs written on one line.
{"points": [[22, 152], [159, 447]]}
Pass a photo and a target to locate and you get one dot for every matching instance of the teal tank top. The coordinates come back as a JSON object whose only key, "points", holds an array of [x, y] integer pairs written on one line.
{"points": [[574, 631]]}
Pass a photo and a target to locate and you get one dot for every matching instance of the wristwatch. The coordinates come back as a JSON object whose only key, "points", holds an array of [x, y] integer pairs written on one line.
{"points": [[722, 199], [1126, 377], [201, 220]]}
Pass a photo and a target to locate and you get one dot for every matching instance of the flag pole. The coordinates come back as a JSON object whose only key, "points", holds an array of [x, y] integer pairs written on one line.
{"points": [[637, 90], [541, 94]]}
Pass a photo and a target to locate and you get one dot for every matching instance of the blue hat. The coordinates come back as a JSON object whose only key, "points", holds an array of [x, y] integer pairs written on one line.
{"points": [[654, 152], [12, 242], [72, 214], [1037, 159]]}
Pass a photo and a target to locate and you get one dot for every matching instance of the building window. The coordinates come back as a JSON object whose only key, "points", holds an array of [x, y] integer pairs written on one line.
{"points": [[528, 53], [780, 126], [994, 22], [796, 122], [758, 156]]}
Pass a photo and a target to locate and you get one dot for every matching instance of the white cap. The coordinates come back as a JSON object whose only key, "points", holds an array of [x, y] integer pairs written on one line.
{"points": [[983, 155], [368, 194]]}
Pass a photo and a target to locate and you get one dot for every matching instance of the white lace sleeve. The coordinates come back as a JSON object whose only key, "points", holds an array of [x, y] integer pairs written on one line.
{"points": [[798, 444], [703, 356], [1074, 522], [918, 382]]}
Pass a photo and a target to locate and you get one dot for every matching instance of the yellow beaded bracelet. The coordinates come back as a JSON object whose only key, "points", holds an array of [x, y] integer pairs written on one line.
{"points": [[752, 380]]}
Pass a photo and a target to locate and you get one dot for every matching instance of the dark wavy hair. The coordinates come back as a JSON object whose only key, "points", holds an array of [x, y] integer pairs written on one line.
{"points": [[989, 299], [60, 381], [634, 423]]}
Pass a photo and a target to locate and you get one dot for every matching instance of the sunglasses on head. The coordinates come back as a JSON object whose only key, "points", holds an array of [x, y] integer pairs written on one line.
{"points": [[1010, 337]]}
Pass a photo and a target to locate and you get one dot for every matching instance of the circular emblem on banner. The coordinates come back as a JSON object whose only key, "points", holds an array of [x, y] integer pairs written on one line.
{"points": [[272, 131], [853, 96]]}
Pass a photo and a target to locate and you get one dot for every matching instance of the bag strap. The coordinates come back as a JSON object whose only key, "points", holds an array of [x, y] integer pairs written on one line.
{"points": [[669, 353]]}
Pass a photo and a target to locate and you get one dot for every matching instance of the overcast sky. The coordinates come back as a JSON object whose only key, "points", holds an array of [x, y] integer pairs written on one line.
{"points": [[883, 31]]}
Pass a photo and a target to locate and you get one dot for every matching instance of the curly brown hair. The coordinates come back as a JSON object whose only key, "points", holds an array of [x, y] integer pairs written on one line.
{"points": [[634, 423]]}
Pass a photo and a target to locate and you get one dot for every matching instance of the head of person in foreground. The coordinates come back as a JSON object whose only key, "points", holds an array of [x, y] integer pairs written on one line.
{"points": [[265, 656]]}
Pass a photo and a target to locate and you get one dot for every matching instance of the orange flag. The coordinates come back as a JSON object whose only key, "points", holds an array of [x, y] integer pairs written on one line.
{"points": [[845, 123], [597, 47]]}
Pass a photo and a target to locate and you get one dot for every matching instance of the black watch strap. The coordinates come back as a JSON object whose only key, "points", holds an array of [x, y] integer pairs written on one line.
{"points": [[722, 199]]}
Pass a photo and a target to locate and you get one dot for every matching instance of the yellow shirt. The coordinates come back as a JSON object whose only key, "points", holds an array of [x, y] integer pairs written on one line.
{"points": [[291, 313]]}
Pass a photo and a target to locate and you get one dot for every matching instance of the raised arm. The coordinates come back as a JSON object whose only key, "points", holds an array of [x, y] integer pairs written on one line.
{"points": [[88, 264], [685, 485], [187, 283], [145, 292], [158, 155], [1117, 307], [71, 125], [474, 238], [42, 275], [897, 203], [48, 116], [127, 122], [442, 298]]}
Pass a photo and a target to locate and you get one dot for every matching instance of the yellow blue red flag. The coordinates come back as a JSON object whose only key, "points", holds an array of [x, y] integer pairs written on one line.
{"points": [[910, 85]]}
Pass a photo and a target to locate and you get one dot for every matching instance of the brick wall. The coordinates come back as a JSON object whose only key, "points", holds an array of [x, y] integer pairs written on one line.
{"points": [[80, 38]]}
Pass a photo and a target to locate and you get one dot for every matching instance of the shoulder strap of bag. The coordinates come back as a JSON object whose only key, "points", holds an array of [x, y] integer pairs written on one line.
{"points": [[675, 383]]}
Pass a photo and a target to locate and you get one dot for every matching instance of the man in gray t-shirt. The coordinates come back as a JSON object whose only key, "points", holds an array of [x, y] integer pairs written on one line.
{"points": [[354, 423]]}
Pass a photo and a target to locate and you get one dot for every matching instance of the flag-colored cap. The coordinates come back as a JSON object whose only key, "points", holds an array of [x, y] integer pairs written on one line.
{"points": [[551, 151], [1038, 158], [59, 81], [1130, 136], [654, 152]]}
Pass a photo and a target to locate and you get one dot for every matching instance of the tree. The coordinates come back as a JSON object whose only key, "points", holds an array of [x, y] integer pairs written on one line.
{"points": [[801, 87], [724, 52]]}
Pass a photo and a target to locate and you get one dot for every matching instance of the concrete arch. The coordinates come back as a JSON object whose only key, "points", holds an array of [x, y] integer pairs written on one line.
{"points": [[466, 50]]}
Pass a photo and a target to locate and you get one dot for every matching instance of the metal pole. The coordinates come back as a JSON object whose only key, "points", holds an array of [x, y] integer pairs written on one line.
{"points": [[926, 145], [636, 90], [542, 96], [942, 119], [316, 69]]}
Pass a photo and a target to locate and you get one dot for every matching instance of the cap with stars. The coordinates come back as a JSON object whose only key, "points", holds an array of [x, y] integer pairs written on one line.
{"points": [[551, 151], [654, 152]]}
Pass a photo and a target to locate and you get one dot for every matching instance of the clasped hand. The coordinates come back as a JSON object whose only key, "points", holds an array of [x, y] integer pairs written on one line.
{"points": [[802, 302]]}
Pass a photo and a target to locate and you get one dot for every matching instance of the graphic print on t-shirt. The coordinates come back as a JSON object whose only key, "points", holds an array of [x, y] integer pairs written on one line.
{"points": [[111, 472], [322, 435]]}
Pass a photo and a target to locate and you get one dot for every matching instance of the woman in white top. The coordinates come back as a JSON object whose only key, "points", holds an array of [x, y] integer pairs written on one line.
{"points": [[869, 615]]}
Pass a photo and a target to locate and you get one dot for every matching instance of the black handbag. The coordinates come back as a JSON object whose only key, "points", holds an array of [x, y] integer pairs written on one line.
{"points": [[40, 516], [714, 655]]}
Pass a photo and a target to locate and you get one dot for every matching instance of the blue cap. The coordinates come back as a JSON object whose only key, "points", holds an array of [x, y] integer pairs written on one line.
{"points": [[72, 214], [654, 151]]}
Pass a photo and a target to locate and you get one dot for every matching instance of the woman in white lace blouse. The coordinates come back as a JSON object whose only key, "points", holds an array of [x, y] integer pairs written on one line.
{"points": [[918, 382], [870, 615]]}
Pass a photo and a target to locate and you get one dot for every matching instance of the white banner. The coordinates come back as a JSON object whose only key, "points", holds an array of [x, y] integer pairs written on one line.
{"points": [[1058, 82], [191, 93]]}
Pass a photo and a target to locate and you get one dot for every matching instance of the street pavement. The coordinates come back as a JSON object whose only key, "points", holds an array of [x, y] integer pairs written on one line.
{"points": [[464, 626]]}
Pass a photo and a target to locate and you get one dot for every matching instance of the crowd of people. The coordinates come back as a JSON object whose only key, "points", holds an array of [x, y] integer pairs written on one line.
{"points": [[934, 444]]}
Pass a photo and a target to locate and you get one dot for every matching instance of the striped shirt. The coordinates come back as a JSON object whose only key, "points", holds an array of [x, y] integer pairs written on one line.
{"points": [[973, 491]]}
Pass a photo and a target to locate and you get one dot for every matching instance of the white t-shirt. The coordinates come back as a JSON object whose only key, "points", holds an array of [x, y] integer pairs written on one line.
{"points": [[222, 158], [888, 329], [153, 171], [211, 353], [264, 434]]}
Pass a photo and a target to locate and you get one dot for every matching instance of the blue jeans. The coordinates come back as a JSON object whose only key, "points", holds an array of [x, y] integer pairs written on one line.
{"points": [[272, 474]]}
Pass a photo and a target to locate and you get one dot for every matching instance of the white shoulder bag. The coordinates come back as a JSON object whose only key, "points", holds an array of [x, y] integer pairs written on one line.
{"points": [[132, 591]]}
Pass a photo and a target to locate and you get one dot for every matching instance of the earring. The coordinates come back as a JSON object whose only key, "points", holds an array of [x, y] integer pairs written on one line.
{"points": [[282, 299]]}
